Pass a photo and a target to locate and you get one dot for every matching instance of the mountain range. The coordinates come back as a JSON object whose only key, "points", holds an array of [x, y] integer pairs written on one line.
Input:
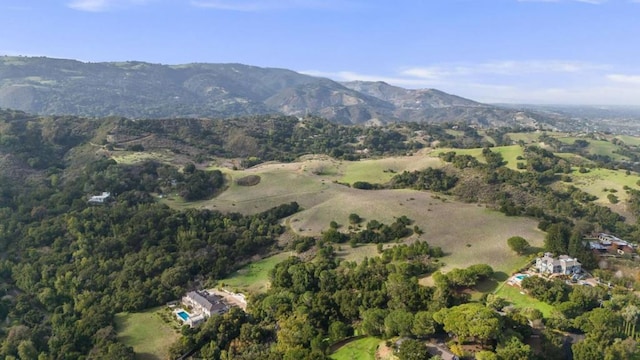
{"points": [[135, 89]]}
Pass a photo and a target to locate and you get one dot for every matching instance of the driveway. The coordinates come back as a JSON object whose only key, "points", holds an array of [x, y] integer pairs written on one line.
{"points": [[440, 348]]}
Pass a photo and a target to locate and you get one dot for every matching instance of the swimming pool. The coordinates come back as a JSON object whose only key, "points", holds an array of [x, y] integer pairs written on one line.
{"points": [[521, 276], [183, 315]]}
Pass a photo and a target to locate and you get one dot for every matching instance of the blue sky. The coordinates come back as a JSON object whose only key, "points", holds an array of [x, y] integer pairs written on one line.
{"points": [[523, 51]]}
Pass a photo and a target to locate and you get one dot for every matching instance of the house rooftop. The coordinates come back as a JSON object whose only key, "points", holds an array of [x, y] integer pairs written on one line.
{"points": [[206, 300], [100, 198]]}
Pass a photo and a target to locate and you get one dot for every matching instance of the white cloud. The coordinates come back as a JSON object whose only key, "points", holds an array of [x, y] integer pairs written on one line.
{"points": [[506, 68], [626, 79], [262, 5], [533, 81], [102, 5], [353, 76]]}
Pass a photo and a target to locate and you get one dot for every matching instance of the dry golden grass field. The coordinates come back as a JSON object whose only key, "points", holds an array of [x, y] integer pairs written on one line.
{"points": [[468, 233]]}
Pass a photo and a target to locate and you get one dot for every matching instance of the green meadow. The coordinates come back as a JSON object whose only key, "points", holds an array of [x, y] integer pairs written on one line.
{"points": [[509, 153], [600, 182], [361, 349], [253, 277], [148, 334]]}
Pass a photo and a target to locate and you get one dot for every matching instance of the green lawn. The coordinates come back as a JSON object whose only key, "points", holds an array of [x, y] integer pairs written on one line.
{"points": [[147, 333], [515, 296], [254, 277], [361, 349]]}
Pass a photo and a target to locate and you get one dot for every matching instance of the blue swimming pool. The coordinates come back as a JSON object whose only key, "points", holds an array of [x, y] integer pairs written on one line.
{"points": [[183, 315], [521, 276]]}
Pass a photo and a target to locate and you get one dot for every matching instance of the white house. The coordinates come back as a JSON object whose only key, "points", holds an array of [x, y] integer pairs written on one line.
{"points": [[205, 303], [562, 265], [99, 199]]}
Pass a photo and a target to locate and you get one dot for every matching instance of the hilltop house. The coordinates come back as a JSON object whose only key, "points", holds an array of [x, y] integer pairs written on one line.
{"points": [[100, 199], [564, 264], [204, 303]]}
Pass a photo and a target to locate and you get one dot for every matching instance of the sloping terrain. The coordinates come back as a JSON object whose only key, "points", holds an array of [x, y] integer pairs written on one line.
{"points": [[142, 90], [471, 233], [438, 106]]}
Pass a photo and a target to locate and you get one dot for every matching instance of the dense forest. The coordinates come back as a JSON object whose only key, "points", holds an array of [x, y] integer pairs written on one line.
{"points": [[68, 267]]}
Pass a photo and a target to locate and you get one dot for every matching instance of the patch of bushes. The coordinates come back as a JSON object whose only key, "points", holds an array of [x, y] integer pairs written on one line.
{"points": [[251, 180]]}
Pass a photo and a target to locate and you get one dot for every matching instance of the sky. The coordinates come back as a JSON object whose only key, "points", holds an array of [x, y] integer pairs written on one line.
{"points": [[496, 51]]}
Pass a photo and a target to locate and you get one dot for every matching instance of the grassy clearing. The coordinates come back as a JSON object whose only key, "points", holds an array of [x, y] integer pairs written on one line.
{"points": [[357, 254], [382, 170], [470, 235], [493, 283], [509, 153], [601, 183], [573, 158], [475, 152], [254, 277], [601, 147], [361, 349], [597, 180], [128, 157], [520, 300], [279, 184], [629, 140], [309, 182], [528, 137], [147, 333], [597, 147]]}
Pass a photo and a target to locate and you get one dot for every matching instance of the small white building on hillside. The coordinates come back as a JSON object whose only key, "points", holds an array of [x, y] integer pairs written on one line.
{"points": [[100, 199]]}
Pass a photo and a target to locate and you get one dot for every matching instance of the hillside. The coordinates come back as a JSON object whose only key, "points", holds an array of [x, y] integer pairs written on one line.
{"points": [[135, 89], [365, 211], [438, 106]]}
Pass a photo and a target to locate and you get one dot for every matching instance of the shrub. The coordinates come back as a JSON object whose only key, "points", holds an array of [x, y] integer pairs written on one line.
{"points": [[250, 180]]}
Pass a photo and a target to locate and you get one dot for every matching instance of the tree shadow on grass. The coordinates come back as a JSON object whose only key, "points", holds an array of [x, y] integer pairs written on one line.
{"points": [[534, 250], [147, 356], [492, 283], [500, 276]]}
